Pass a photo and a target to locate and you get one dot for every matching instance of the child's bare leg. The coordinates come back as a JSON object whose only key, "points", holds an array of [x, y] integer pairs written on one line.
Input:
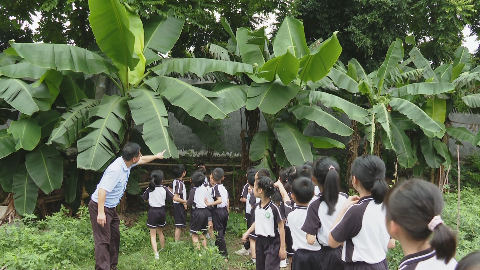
{"points": [[178, 233], [153, 240], [161, 237], [195, 240], [204, 240], [210, 230], [252, 248]]}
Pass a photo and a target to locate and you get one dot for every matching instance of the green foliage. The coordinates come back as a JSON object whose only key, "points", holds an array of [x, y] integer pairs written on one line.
{"points": [[236, 224]]}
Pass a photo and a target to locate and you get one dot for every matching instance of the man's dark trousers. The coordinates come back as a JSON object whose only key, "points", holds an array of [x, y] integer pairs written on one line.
{"points": [[107, 238]]}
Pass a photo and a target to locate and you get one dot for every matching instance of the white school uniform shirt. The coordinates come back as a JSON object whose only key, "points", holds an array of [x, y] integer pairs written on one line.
{"points": [[296, 217], [316, 191], [426, 260], [197, 196], [178, 187], [220, 191], [266, 219], [363, 231], [157, 197], [318, 222], [209, 192]]}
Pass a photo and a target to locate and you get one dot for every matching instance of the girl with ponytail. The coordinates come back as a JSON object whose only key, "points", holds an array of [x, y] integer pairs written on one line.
{"points": [[322, 211], [156, 194], [267, 225], [360, 223], [413, 215]]}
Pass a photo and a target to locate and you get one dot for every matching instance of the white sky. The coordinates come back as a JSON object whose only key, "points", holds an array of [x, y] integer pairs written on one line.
{"points": [[470, 42]]}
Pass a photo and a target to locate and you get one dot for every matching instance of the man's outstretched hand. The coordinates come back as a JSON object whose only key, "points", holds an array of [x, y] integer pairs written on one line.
{"points": [[160, 155]]}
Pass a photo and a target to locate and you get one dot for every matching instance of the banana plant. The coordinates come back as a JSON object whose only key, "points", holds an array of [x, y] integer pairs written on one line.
{"points": [[52, 87], [280, 90]]}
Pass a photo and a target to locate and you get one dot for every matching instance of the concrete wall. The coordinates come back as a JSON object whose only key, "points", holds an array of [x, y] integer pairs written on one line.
{"points": [[470, 122]]}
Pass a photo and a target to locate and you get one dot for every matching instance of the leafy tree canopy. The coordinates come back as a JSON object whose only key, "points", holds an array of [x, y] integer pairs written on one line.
{"points": [[368, 27]]}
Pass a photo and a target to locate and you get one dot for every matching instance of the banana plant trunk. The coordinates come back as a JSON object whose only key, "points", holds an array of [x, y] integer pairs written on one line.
{"points": [[353, 145], [252, 123], [11, 213]]}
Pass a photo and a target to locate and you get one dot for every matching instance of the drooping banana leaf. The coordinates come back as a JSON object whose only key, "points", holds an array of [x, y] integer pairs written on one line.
{"points": [[45, 166], [325, 143], [343, 80], [472, 100], [284, 66], [261, 143], [20, 96], [201, 66], [322, 118], [71, 123], [414, 113], [270, 97], [23, 70], [8, 168], [148, 110], [7, 144], [353, 111], [403, 147], [98, 147], [26, 133], [161, 33], [294, 143], [25, 192], [47, 121]]}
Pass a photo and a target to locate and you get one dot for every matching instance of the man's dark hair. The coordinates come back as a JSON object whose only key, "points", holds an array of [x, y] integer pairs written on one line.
{"points": [[130, 150], [178, 170], [303, 189], [197, 179], [251, 178], [218, 174]]}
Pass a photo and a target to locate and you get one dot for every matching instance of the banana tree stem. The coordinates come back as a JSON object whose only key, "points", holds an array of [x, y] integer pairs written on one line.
{"points": [[141, 79]]}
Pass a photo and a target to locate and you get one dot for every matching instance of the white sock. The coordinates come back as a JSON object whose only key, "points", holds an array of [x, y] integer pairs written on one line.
{"points": [[254, 260]]}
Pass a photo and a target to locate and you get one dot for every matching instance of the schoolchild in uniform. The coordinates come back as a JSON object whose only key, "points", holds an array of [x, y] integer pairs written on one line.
{"points": [[200, 213], [413, 215], [248, 208], [323, 211], [179, 200], [201, 168], [252, 201], [283, 177], [469, 262], [360, 224], [306, 256], [220, 210], [268, 227], [156, 195]]}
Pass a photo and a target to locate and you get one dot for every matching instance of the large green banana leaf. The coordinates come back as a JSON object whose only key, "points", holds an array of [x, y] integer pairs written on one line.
{"points": [[343, 80], [417, 115], [383, 117], [461, 133], [317, 64], [52, 79], [394, 55], [231, 97], [67, 131], [63, 57], [444, 73], [270, 97], [111, 27], [284, 66], [195, 101], [26, 133], [280, 157], [422, 63], [70, 91], [423, 89], [161, 33], [353, 111], [8, 168], [361, 74], [251, 53], [23, 70], [21, 96], [261, 143], [95, 149], [204, 133], [291, 37], [7, 144], [442, 150], [403, 148], [322, 118], [45, 166], [47, 120], [25, 192], [472, 100], [228, 28], [136, 27], [148, 110], [325, 143], [6, 59], [201, 66], [433, 159], [436, 108], [294, 143], [462, 55]]}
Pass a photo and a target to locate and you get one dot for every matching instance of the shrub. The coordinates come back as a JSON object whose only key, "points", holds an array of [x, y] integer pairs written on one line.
{"points": [[236, 224]]}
